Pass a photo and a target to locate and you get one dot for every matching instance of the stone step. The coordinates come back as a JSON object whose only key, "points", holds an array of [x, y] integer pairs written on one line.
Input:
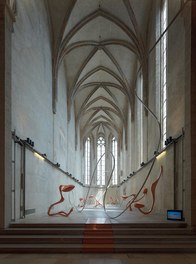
{"points": [[90, 231], [97, 248], [101, 226], [105, 238], [96, 239]]}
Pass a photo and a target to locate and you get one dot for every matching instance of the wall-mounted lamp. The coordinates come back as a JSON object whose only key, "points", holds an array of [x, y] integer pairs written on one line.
{"points": [[38, 156], [161, 155]]}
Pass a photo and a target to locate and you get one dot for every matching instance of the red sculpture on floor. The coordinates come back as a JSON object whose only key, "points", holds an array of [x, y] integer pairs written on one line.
{"points": [[62, 188], [134, 201], [139, 206]]}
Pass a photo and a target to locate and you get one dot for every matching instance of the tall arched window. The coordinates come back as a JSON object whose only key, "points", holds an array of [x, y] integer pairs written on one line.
{"points": [[164, 71], [140, 119], [87, 161], [115, 161], [101, 161]]}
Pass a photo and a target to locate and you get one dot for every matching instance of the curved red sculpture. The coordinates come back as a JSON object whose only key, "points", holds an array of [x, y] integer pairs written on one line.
{"points": [[62, 188], [134, 201], [97, 203], [139, 206]]}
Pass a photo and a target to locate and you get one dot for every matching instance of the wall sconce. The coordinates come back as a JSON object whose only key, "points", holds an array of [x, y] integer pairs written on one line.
{"points": [[38, 156], [161, 155]]}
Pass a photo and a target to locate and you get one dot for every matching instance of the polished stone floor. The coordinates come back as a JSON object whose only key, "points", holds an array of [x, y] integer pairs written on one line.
{"points": [[98, 258], [98, 215]]}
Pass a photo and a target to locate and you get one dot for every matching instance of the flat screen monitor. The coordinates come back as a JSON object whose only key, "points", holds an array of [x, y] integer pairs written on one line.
{"points": [[175, 215]]}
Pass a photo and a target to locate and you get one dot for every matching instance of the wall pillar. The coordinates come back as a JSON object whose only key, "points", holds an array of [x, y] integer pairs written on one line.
{"points": [[6, 27], [193, 114], [2, 112]]}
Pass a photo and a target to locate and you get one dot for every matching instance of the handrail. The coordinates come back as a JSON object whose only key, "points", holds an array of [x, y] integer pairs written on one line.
{"points": [[149, 161], [54, 165]]}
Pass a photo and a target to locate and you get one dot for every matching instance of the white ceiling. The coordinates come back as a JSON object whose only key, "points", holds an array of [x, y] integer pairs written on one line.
{"points": [[101, 43]]}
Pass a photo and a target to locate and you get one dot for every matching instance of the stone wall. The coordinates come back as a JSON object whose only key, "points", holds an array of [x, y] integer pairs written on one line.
{"points": [[32, 115], [170, 190]]}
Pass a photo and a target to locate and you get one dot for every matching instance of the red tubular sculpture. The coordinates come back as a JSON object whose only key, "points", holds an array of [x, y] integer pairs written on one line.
{"points": [[139, 206], [97, 203], [62, 188], [133, 196]]}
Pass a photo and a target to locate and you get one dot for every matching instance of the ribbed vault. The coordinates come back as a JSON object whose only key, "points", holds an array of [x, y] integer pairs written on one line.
{"points": [[102, 44]]}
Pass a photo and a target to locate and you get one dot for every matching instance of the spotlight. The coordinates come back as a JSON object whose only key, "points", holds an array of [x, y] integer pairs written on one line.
{"points": [[44, 155], [17, 139], [168, 140], [30, 142]]}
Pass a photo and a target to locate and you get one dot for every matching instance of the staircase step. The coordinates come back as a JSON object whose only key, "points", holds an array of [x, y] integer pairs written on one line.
{"points": [[97, 238], [167, 225], [96, 248]]}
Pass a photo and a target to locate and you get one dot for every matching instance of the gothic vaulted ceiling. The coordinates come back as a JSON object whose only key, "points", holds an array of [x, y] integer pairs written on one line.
{"points": [[102, 44]]}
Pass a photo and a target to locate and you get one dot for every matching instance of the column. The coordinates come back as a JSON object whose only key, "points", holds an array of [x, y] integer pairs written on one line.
{"points": [[6, 27]]}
